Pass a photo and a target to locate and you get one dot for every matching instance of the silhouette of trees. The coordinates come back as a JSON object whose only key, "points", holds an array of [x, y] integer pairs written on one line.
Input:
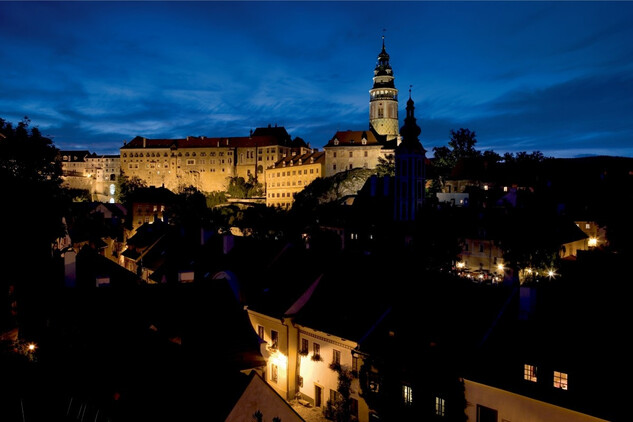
{"points": [[33, 206]]}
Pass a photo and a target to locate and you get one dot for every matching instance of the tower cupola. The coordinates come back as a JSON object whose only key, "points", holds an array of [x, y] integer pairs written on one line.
{"points": [[383, 98]]}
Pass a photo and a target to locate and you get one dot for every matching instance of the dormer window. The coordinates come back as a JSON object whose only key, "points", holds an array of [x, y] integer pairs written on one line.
{"points": [[364, 141], [335, 142]]}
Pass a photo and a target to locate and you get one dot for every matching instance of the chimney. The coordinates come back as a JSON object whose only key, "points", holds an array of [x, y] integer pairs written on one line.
{"points": [[144, 142]]}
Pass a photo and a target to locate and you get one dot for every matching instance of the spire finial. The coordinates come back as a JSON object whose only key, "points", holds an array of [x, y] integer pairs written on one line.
{"points": [[410, 86], [383, 37]]}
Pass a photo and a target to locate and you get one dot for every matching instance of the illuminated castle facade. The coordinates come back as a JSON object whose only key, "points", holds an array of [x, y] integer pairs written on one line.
{"points": [[207, 163]]}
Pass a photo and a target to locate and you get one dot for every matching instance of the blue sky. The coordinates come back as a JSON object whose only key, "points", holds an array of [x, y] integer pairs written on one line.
{"points": [[556, 77]]}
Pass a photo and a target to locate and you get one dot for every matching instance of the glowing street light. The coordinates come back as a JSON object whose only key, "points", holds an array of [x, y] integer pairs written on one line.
{"points": [[31, 347], [593, 242]]}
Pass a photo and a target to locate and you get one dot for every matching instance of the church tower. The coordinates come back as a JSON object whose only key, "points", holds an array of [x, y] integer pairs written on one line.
{"points": [[383, 98], [410, 169]]}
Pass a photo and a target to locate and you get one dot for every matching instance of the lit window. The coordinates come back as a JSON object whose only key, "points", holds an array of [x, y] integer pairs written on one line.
{"points": [[587, 226], [260, 331], [440, 406], [560, 380], [407, 395], [316, 349], [529, 372], [274, 338]]}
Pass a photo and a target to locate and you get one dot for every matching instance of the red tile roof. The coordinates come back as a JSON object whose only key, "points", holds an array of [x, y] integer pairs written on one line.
{"points": [[319, 157], [354, 138]]}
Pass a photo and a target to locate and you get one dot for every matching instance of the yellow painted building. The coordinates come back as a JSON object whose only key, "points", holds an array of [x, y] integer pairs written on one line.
{"points": [[206, 163], [290, 175]]}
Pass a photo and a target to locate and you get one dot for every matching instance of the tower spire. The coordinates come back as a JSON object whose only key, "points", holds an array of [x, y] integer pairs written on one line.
{"points": [[383, 98]]}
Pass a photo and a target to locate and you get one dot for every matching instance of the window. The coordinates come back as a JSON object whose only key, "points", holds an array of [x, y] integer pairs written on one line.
{"points": [[304, 345], [336, 356], [353, 408], [333, 166], [350, 166], [587, 226], [560, 380], [334, 395], [273, 373], [481, 247], [334, 154], [316, 349], [260, 331], [407, 395], [355, 364], [365, 154], [486, 414], [351, 154], [191, 162], [529, 372], [440, 406], [274, 339]]}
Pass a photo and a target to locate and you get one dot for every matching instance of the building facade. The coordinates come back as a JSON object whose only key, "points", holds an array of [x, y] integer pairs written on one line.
{"points": [[290, 175], [354, 149], [95, 173], [206, 163]]}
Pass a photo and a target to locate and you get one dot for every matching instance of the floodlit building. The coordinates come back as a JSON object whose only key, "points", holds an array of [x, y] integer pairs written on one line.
{"points": [[95, 173], [290, 175], [207, 163]]}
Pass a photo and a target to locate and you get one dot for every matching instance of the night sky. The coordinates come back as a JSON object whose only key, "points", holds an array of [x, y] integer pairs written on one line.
{"points": [[556, 77]]}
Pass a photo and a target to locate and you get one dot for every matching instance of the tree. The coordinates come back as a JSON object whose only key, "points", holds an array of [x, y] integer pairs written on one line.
{"points": [[125, 186], [462, 144], [240, 188], [340, 410], [386, 166], [33, 206], [461, 147]]}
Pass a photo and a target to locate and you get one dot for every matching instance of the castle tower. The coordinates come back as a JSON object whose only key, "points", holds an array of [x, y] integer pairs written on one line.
{"points": [[383, 98], [410, 169]]}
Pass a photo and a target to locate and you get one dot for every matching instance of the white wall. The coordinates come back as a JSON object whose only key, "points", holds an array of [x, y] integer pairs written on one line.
{"points": [[513, 407]]}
